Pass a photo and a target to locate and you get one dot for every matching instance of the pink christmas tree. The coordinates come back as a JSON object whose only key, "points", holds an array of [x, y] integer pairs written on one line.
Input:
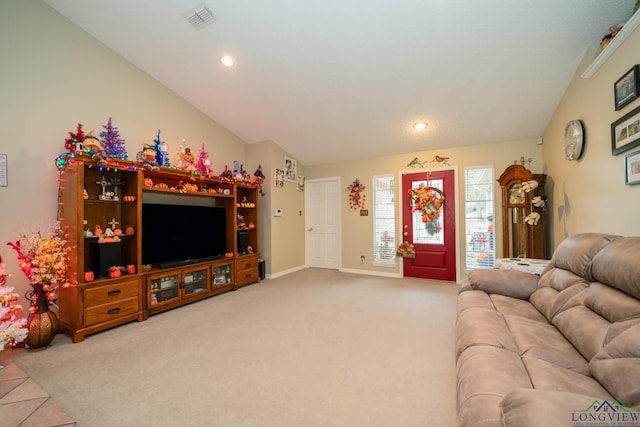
{"points": [[112, 144], [203, 164]]}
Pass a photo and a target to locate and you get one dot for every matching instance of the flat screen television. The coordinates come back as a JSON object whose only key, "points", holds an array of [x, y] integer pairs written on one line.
{"points": [[175, 234]]}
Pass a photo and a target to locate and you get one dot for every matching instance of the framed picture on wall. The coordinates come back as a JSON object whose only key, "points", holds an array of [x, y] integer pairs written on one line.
{"points": [[278, 177], [300, 183], [632, 168], [625, 132], [626, 87], [290, 169]]}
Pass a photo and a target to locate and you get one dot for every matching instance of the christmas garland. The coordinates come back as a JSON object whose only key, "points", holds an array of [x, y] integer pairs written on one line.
{"points": [[427, 201]]}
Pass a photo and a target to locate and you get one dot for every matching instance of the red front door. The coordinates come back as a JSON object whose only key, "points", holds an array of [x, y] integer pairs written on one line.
{"points": [[435, 241]]}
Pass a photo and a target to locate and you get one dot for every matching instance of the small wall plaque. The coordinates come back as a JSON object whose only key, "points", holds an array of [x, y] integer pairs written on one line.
{"points": [[3, 170], [364, 212]]}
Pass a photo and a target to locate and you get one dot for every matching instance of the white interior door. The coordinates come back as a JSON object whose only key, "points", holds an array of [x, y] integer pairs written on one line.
{"points": [[322, 221]]}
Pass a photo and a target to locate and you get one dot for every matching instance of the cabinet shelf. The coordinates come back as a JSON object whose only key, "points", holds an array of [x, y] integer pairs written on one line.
{"points": [[189, 193]]}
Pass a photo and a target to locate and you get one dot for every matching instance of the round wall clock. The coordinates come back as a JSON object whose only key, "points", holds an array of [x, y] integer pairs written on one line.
{"points": [[573, 139]]}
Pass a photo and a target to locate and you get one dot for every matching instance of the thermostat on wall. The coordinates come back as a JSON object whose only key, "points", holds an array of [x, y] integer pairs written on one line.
{"points": [[277, 212]]}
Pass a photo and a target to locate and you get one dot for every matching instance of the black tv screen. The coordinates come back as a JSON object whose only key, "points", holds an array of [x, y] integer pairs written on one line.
{"points": [[174, 234]]}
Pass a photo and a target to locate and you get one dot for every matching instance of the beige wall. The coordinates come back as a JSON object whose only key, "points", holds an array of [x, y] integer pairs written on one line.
{"points": [[589, 195], [281, 238], [357, 231], [54, 75]]}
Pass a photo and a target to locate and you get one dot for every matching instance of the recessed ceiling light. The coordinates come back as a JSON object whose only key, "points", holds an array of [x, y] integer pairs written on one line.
{"points": [[228, 61], [420, 126]]}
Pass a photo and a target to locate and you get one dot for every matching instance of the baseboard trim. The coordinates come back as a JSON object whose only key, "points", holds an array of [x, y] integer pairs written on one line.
{"points": [[285, 272], [370, 273]]}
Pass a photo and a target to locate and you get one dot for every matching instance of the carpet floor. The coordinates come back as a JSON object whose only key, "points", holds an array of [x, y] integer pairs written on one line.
{"points": [[312, 348]]}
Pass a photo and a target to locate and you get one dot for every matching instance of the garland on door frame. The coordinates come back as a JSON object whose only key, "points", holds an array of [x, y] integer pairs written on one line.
{"points": [[428, 201]]}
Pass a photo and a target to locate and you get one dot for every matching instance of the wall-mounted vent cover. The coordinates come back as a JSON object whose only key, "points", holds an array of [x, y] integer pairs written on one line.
{"points": [[200, 16]]}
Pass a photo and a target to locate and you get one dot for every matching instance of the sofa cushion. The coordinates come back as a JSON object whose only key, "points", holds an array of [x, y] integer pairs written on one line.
{"points": [[473, 299], [617, 367], [576, 253], [545, 375], [618, 266], [482, 327], [585, 329], [513, 283], [516, 307], [591, 325], [485, 375], [545, 342], [535, 408], [556, 292]]}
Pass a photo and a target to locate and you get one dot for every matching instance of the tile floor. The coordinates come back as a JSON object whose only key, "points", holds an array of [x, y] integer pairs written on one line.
{"points": [[23, 403]]}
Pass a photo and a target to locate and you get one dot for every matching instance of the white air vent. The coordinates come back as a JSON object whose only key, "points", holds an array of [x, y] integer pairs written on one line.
{"points": [[199, 16]]}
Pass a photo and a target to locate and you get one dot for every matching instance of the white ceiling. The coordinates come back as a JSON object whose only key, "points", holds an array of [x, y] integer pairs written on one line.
{"points": [[335, 80]]}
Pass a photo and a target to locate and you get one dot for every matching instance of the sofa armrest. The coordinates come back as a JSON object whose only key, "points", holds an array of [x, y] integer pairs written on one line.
{"points": [[511, 283], [543, 408]]}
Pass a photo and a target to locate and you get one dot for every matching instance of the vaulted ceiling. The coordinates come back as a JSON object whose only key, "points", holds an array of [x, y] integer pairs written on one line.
{"points": [[336, 80]]}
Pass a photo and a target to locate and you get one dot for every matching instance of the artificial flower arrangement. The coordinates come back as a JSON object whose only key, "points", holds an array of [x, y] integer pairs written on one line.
{"points": [[427, 201], [406, 250], [43, 260]]}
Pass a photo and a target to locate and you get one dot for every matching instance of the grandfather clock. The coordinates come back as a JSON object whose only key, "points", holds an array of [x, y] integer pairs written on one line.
{"points": [[523, 232]]}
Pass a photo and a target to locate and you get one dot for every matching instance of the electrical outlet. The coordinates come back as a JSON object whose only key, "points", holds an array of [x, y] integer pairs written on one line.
{"points": [[361, 259]]}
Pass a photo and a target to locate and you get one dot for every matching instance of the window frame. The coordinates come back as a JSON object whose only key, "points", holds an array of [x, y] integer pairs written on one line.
{"points": [[390, 262]]}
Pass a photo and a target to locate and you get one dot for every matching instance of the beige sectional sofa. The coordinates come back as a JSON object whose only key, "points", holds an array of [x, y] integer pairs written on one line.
{"points": [[540, 350]]}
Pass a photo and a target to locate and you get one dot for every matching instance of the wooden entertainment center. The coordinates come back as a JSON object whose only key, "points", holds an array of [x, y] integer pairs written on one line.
{"points": [[94, 197]]}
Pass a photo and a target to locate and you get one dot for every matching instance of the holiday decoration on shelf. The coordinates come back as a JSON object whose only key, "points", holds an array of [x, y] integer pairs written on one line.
{"points": [[258, 179], [12, 325], [426, 200], [74, 142], [162, 151], [112, 144], [147, 156], [226, 175], [239, 173], [203, 164], [93, 147], [179, 163], [356, 198], [188, 161]]}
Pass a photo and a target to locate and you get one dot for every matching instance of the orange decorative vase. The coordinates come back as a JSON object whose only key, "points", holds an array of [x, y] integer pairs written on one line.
{"points": [[42, 323]]}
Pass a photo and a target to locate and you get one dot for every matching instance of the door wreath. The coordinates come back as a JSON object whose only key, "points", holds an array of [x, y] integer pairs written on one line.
{"points": [[427, 201]]}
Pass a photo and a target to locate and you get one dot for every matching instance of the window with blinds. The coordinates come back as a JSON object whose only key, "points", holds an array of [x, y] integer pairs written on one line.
{"points": [[479, 217], [384, 220]]}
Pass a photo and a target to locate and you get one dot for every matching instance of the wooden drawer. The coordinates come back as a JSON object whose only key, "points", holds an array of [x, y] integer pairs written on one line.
{"points": [[247, 276], [111, 311], [247, 264], [109, 293]]}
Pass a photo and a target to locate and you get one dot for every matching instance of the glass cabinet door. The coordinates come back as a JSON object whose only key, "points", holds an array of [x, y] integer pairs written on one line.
{"points": [[222, 275], [164, 288], [195, 281]]}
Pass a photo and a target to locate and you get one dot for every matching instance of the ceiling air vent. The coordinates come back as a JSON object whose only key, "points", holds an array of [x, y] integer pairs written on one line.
{"points": [[199, 16]]}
